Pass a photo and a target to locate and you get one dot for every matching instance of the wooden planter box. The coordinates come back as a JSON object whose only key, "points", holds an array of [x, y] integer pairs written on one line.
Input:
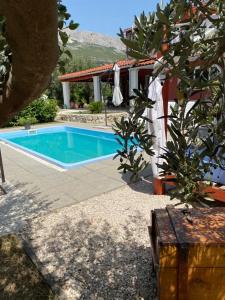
{"points": [[189, 256], [215, 191]]}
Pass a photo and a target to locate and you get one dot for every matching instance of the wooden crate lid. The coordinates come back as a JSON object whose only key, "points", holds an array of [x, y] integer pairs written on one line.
{"points": [[207, 226], [204, 237], [165, 229]]}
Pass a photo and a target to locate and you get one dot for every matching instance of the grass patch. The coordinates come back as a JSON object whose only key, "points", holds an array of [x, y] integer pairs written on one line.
{"points": [[19, 277]]}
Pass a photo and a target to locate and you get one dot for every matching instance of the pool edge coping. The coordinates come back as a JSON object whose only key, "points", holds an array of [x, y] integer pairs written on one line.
{"points": [[52, 161]]}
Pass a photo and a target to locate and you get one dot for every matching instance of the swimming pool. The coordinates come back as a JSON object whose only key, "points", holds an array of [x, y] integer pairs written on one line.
{"points": [[65, 146]]}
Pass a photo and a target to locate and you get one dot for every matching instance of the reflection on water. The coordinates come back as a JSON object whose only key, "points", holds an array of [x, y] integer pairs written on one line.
{"points": [[68, 147]]}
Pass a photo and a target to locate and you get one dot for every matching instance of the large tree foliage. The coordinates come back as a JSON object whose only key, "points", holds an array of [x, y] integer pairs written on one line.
{"points": [[29, 50], [193, 53]]}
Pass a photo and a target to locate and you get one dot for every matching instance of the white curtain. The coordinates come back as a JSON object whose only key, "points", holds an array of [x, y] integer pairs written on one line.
{"points": [[117, 95], [157, 127]]}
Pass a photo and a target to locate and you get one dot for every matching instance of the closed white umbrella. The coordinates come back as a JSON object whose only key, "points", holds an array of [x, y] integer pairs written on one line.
{"points": [[117, 95], [157, 127]]}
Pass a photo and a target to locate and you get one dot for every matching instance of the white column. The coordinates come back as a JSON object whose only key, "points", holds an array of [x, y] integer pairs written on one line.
{"points": [[66, 94], [97, 88], [133, 83]]}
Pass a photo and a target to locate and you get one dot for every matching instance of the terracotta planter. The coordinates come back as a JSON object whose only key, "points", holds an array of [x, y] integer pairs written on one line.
{"points": [[81, 105], [72, 104]]}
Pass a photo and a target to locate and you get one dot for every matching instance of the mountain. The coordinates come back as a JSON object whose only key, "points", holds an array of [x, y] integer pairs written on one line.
{"points": [[95, 46]]}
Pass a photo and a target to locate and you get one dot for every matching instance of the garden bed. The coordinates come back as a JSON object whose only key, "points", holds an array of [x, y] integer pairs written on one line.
{"points": [[19, 277]]}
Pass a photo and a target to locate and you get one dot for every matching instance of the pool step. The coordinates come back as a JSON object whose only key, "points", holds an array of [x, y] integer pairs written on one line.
{"points": [[32, 131]]}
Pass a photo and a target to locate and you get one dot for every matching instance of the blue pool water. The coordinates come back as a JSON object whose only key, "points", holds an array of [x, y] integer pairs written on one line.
{"points": [[63, 145]]}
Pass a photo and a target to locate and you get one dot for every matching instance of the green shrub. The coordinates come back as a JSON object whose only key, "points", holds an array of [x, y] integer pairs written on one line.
{"points": [[42, 110], [13, 122], [96, 107], [22, 121]]}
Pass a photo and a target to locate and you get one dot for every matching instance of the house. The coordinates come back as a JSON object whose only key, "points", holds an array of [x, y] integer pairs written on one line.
{"points": [[133, 75]]}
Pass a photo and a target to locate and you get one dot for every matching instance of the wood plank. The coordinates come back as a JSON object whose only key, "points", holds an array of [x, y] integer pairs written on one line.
{"points": [[207, 226], [168, 284], [164, 228], [206, 284], [168, 257], [214, 192], [207, 256]]}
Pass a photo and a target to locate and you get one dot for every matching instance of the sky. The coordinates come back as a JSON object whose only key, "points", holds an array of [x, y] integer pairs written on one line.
{"points": [[107, 16]]}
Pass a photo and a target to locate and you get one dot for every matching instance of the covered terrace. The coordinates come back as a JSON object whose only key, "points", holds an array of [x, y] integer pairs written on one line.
{"points": [[133, 75]]}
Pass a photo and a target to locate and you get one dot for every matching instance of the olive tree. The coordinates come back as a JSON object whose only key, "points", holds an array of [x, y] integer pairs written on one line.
{"points": [[194, 54], [29, 50]]}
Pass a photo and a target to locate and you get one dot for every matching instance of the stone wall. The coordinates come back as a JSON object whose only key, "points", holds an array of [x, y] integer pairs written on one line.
{"points": [[71, 116]]}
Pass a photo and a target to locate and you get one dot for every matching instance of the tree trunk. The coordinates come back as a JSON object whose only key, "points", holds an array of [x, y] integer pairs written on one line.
{"points": [[32, 34]]}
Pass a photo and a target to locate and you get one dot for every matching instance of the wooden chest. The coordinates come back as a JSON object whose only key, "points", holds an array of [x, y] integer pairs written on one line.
{"points": [[189, 253]]}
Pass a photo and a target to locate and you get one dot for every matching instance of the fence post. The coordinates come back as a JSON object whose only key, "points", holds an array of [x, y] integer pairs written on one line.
{"points": [[2, 168]]}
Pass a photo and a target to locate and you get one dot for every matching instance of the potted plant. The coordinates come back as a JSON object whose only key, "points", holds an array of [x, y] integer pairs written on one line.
{"points": [[27, 122], [76, 104], [81, 102], [72, 104], [95, 107]]}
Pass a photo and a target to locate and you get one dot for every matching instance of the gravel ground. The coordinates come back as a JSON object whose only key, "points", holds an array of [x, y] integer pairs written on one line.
{"points": [[15, 209], [100, 249]]}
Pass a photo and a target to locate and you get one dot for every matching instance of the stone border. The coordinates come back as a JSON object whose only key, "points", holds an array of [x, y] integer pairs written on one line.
{"points": [[29, 251], [89, 118]]}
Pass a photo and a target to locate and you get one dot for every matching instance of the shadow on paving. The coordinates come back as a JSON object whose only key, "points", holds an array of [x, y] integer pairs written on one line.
{"points": [[17, 207], [146, 178], [92, 260]]}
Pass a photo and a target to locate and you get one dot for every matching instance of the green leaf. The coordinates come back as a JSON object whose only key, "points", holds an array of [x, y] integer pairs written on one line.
{"points": [[64, 37], [161, 16], [61, 24], [73, 26], [68, 53], [137, 55]]}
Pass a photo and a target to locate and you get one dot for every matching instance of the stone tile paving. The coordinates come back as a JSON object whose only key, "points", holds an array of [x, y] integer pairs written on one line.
{"points": [[48, 189], [30, 175]]}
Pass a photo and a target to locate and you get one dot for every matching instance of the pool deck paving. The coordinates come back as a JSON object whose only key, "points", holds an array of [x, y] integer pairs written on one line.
{"points": [[45, 188], [87, 227]]}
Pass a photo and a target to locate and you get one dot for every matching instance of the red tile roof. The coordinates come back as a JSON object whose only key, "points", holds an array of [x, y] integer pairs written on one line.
{"points": [[87, 74]]}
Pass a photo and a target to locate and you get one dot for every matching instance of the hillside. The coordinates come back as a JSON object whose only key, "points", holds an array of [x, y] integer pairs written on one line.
{"points": [[96, 47]]}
